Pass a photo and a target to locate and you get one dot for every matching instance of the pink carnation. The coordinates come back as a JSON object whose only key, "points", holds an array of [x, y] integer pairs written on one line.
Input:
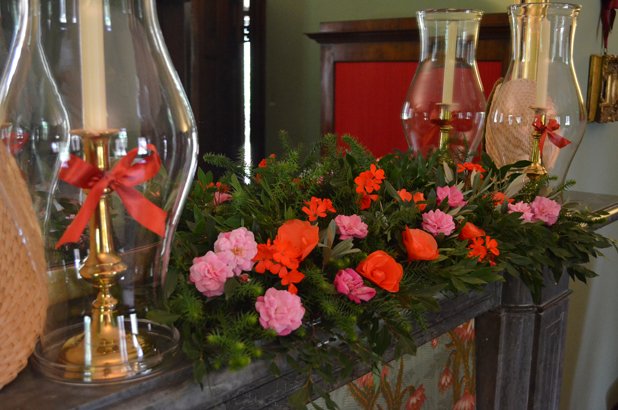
{"points": [[350, 227], [545, 210], [524, 208], [350, 283], [280, 310], [454, 195], [209, 273], [237, 247], [437, 222]]}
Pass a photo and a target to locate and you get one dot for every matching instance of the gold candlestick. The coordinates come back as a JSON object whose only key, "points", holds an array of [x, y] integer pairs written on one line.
{"points": [[444, 122], [536, 169], [103, 351]]}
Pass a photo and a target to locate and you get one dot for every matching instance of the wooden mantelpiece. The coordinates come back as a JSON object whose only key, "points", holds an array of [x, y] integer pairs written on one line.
{"points": [[519, 350]]}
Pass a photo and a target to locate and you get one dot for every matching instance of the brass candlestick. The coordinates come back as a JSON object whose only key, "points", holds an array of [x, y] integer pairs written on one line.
{"points": [[103, 351], [444, 122], [536, 169]]}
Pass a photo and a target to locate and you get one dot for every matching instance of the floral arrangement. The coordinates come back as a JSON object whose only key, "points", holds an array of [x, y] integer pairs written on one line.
{"points": [[337, 244]]}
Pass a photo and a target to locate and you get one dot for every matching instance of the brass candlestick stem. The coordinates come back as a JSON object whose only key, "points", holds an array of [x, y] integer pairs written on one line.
{"points": [[444, 122], [103, 351], [536, 169]]}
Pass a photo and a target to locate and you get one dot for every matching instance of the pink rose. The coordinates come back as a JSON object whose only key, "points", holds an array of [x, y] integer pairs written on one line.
{"points": [[545, 210], [437, 222], [350, 227], [209, 273], [237, 247], [350, 283], [524, 208], [221, 197], [280, 310], [454, 195]]}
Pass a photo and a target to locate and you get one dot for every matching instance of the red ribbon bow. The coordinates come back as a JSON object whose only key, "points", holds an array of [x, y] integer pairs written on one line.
{"points": [[548, 131], [122, 178]]}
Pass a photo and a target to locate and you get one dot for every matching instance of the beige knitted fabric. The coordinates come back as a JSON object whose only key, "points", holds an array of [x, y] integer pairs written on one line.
{"points": [[508, 137], [23, 276]]}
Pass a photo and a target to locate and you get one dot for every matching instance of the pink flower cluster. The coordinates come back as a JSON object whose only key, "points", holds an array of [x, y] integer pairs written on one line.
{"points": [[437, 222], [233, 253], [348, 282], [351, 226], [454, 195], [280, 310], [541, 209]]}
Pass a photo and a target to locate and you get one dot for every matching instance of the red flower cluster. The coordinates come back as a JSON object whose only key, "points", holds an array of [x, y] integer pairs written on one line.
{"points": [[481, 246], [368, 182], [416, 197], [294, 242], [470, 166], [317, 208]]}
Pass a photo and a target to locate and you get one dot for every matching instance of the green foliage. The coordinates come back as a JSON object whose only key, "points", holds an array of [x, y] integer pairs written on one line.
{"points": [[337, 334]]}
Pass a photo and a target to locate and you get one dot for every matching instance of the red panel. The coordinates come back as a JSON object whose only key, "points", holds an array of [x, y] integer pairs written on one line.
{"points": [[369, 97]]}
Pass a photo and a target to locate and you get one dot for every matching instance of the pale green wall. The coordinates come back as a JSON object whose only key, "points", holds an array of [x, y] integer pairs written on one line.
{"points": [[293, 104]]}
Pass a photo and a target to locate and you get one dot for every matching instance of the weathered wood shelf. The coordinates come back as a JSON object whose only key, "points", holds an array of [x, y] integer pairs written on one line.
{"points": [[520, 346]]}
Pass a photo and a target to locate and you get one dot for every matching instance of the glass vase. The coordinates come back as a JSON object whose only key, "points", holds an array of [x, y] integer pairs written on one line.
{"points": [[540, 80], [105, 137], [445, 105]]}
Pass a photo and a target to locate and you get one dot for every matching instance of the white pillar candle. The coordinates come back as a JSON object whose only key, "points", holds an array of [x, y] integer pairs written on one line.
{"points": [[92, 51], [542, 68], [449, 62]]}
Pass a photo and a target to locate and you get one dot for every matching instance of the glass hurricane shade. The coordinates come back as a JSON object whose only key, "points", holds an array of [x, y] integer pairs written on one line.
{"points": [[90, 82], [447, 76], [540, 75]]}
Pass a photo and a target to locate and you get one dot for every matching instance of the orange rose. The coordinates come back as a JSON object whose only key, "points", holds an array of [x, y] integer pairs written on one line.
{"points": [[380, 268], [471, 231], [297, 237], [421, 246]]}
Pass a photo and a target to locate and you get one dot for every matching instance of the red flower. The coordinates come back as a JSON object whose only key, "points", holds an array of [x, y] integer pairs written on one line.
{"points": [[446, 379], [469, 166], [470, 231], [290, 278], [264, 259], [365, 200], [380, 268], [369, 181], [295, 240], [466, 402], [499, 199], [465, 331], [477, 249], [318, 207], [419, 197], [264, 162], [484, 247], [416, 399], [420, 245], [404, 195]]}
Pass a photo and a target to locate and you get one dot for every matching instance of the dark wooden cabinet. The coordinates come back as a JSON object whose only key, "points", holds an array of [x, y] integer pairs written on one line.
{"points": [[205, 39]]}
